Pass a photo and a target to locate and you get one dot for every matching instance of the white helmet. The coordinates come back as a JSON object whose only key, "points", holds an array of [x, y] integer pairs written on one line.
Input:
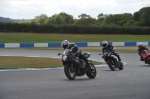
{"points": [[104, 43], [140, 45], [65, 44]]}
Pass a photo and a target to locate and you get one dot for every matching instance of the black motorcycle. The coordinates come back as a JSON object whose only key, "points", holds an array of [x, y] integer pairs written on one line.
{"points": [[112, 60], [74, 66]]}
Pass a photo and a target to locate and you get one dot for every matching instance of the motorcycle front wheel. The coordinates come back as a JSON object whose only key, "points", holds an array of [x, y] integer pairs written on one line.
{"points": [[91, 73], [121, 66], [148, 61], [70, 72], [111, 64]]}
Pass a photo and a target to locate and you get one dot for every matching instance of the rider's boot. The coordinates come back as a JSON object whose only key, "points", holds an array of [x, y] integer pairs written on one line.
{"points": [[141, 59]]}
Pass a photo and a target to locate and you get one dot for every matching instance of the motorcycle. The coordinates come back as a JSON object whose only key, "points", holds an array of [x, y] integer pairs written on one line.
{"points": [[74, 66], [146, 56], [112, 60]]}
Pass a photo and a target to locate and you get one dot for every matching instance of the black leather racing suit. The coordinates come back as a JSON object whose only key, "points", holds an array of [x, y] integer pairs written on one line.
{"points": [[111, 49], [140, 51], [78, 52]]}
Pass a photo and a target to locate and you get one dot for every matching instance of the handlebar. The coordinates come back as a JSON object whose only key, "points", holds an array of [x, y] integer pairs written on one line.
{"points": [[58, 54], [100, 54]]}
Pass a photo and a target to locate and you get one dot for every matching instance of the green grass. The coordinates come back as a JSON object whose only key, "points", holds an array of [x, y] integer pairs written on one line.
{"points": [[118, 49], [45, 37], [88, 49], [30, 62]]}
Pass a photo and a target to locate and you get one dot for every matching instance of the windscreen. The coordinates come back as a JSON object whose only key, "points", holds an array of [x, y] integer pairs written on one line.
{"points": [[66, 51], [106, 51]]}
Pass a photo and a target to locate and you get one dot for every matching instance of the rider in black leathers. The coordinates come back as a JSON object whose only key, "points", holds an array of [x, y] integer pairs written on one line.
{"points": [[141, 47], [76, 50], [111, 48]]}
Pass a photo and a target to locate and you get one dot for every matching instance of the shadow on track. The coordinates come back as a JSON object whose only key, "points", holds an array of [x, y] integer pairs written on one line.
{"points": [[146, 65], [112, 71], [79, 79]]}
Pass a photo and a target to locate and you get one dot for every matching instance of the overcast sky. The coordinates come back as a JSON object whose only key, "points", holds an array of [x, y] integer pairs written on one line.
{"points": [[28, 9]]}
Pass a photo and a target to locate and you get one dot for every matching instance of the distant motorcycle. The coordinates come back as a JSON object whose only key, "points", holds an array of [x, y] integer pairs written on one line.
{"points": [[146, 56], [74, 66], [112, 60]]}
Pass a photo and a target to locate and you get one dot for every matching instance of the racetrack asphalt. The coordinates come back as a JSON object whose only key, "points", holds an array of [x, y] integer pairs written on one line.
{"points": [[131, 83]]}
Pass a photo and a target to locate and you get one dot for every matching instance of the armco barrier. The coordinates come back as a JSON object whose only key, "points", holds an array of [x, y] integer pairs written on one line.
{"points": [[80, 44]]}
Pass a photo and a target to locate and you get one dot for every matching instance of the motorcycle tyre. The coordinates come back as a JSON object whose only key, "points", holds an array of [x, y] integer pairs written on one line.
{"points": [[66, 68], [109, 62], [90, 73], [121, 67]]}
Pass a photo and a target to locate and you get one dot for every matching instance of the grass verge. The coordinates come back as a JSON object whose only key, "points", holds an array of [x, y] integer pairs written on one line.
{"points": [[54, 37], [8, 62], [118, 49], [91, 49]]}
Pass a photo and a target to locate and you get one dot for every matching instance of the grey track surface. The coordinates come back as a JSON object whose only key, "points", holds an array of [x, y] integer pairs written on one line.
{"points": [[131, 83]]}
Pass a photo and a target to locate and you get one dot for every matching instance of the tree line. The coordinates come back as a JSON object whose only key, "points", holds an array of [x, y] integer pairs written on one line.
{"points": [[140, 18], [137, 23]]}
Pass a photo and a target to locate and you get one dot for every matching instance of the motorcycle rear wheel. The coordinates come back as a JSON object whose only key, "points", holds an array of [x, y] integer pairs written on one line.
{"points": [[71, 74]]}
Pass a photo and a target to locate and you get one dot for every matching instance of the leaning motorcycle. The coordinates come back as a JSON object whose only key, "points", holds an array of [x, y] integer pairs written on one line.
{"points": [[146, 56], [112, 60], [74, 66]]}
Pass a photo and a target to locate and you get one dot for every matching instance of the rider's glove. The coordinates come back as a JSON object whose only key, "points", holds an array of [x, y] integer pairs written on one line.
{"points": [[77, 53], [103, 56], [115, 53]]}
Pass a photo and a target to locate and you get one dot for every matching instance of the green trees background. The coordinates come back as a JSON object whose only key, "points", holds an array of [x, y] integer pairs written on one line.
{"points": [[125, 23], [140, 18]]}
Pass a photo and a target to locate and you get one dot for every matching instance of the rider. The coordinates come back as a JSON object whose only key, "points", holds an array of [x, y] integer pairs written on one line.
{"points": [[111, 48], [141, 47], [66, 45]]}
